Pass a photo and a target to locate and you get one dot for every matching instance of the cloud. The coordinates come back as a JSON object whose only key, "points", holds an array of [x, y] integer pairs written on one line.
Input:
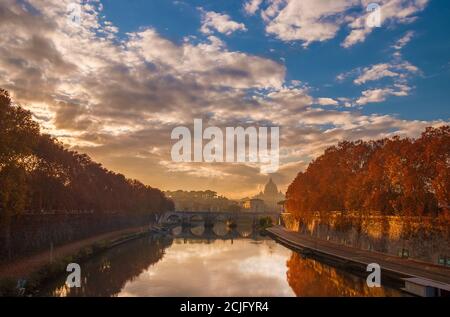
{"points": [[375, 72], [208, 63], [311, 21], [392, 12], [402, 42], [379, 95], [397, 70], [290, 98], [199, 170], [251, 6], [222, 23], [307, 21], [327, 102], [118, 98], [379, 71]]}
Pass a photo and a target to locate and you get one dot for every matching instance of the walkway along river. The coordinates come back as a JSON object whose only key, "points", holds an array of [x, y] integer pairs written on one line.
{"points": [[394, 268]]}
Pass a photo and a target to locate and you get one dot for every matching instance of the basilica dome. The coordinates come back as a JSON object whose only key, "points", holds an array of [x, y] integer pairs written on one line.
{"points": [[270, 189], [271, 196]]}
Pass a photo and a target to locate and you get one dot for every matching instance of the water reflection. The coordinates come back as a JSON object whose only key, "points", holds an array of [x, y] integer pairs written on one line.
{"points": [[221, 230], [202, 267], [106, 274], [218, 268], [308, 277]]}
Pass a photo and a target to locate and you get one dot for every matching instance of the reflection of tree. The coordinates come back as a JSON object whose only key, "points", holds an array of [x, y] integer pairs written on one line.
{"points": [[107, 274], [307, 277]]}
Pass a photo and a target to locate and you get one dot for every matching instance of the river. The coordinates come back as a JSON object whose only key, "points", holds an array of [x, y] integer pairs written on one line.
{"points": [[200, 263]]}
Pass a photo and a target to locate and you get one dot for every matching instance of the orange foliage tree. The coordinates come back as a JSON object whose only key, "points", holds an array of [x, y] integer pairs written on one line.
{"points": [[37, 173], [394, 176]]}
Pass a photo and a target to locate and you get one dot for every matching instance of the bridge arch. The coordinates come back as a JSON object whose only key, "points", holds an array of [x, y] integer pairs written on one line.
{"points": [[245, 231], [196, 218], [178, 230], [197, 231], [173, 219], [221, 229]]}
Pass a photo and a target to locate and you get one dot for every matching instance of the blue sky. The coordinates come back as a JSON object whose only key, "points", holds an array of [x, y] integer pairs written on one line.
{"points": [[116, 82], [320, 63]]}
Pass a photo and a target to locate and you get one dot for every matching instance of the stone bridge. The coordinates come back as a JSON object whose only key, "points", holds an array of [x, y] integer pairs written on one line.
{"points": [[187, 218]]}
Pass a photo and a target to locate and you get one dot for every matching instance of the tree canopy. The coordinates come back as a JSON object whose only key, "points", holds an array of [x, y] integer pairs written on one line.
{"points": [[37, 173], [394, 176]]}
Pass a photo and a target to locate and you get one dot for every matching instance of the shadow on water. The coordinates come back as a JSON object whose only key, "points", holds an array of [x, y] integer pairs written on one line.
{"points": [[217, 261]]}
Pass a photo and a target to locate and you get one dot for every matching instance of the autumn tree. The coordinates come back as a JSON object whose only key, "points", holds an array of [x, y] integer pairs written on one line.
{"points": [[18, 134], [38, 173], [394, 176]]}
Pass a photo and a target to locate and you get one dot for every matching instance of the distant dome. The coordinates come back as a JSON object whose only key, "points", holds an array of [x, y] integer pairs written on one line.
{"points": [[271, 196], [271, 188]]}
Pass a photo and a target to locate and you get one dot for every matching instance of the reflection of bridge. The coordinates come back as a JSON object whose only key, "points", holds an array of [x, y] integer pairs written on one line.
{"points": [[213, 233], [187, 218]]}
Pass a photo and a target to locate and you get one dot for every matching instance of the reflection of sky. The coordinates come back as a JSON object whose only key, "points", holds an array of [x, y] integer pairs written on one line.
{"points": [[216, 269]]}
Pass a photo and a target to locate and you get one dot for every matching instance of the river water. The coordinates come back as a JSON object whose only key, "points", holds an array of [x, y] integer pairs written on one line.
{"points": [[210, 263]]}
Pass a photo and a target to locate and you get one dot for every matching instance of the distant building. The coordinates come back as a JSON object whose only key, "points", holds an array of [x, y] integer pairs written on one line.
{"points": [[271, 197], [201, 201], [254, 205]]}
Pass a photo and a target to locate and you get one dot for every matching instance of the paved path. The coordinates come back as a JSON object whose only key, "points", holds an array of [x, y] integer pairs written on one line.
{"points": [[395, 265]]}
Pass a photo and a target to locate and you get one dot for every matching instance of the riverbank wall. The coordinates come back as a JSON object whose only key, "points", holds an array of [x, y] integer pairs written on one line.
{"points": [[420, 238], [32, 233]]}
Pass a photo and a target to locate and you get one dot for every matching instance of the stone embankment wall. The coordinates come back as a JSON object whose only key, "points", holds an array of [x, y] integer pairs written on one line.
{"points": [[420, 238]]}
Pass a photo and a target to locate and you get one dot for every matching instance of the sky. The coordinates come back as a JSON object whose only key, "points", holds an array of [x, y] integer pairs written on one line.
{"points": [[116, 82]]}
